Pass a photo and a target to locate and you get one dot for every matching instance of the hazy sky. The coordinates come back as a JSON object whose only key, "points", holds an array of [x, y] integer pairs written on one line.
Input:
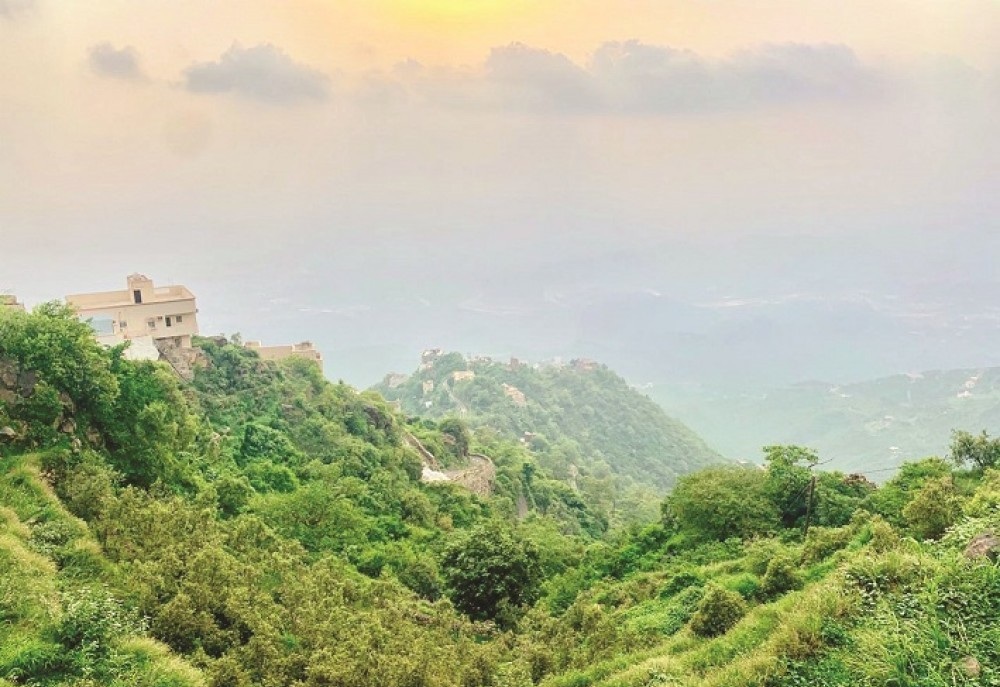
{"points": [[324, 169]]}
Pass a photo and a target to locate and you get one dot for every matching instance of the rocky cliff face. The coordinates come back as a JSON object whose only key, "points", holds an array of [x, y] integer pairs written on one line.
{"points": [[182, 360], [21, 405]]}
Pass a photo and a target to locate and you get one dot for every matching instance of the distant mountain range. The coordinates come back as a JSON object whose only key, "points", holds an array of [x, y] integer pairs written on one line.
{"points": [[868, 427]]}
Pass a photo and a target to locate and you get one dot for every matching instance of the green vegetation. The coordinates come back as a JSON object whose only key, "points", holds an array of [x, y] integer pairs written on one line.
{"points": [[262, 526], [583, 424]]}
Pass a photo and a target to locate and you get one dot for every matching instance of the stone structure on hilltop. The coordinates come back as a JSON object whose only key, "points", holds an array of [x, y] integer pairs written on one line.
{"points": [[9, 302], [305, 350]]}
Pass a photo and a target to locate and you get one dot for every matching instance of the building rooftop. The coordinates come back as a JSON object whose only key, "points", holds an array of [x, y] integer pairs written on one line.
{"points": [[158, 294]]}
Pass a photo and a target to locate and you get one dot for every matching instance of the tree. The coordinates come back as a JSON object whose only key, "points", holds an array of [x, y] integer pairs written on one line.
{"points": [[981, 451], [52, 343], [789, 470], [491, 573], [459, 432], [719, 503]]}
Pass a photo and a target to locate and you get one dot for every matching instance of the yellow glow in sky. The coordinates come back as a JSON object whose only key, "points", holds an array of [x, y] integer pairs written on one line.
{"points": [[458, 10]]}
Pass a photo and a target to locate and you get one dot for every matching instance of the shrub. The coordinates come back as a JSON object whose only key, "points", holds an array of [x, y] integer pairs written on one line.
{"points": [[781, 576], [680, 581], [823, 541], [746, 585], [759, 554], [93, 616], [986, 500], [934, 509], [718, 611], [84, 484], [679, 610]]}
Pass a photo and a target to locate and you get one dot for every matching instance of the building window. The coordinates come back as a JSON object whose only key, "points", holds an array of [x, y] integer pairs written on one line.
{"points": [[151, 323], [179, 319], [169, 324], [123, 324], [137, 296]]}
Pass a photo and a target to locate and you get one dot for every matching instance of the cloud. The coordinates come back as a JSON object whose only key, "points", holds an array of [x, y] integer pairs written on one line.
{"points": [[11, 9], [263, 72], [108, 61], [538, 79], [636, 78]]}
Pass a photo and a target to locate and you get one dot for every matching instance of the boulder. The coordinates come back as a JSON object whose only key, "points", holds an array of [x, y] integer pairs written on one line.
{"points": [[26, 382], [985, 545], [8, 375]]}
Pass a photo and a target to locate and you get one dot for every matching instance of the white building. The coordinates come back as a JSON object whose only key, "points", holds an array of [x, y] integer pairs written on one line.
{"points": [[141, 310]]}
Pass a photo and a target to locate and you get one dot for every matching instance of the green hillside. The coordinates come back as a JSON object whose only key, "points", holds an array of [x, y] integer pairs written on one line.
{"points": [[867, 426], [261, 526], [578, 418]]}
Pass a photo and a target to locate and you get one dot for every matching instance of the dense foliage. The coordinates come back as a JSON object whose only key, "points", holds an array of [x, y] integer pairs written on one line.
{"points": [[584, 424], [262, 527]]}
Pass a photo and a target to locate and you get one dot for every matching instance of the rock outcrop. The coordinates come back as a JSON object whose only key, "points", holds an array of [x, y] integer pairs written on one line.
{"points": [[985, 545]]}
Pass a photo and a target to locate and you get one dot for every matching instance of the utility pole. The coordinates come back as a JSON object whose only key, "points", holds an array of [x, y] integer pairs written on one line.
{"points": [[809, 505]]}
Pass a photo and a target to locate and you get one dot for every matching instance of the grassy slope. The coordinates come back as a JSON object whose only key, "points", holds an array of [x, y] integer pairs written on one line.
{"points": [[52, 571], [874, 609]]}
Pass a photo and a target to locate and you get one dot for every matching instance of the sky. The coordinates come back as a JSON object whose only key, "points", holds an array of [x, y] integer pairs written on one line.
{"points": [[772, 190]]}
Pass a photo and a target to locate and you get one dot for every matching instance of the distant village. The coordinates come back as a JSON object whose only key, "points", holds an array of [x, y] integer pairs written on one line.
{"points": [[158, 323]]}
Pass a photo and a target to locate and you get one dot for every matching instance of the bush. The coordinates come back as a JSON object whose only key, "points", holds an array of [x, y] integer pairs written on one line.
{"points": [[934, 509], [718, 611], [823, 541], [680, 581], [92, 616], [781, 576], [680, 609], [84, 484], [746, 585], [986, 500], [759, 554]]}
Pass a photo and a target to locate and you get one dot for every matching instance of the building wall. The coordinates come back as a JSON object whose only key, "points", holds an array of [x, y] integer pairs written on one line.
{"points": [[131, 321], [150, 317], [10, 302], [301, 350]]}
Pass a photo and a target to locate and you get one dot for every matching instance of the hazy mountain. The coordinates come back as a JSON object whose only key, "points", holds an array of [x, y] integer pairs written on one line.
{"points": [[578, 417], [869, 427]]}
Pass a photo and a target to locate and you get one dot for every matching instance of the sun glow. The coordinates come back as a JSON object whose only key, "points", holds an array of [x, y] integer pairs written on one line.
{"points": [[460, 11]]}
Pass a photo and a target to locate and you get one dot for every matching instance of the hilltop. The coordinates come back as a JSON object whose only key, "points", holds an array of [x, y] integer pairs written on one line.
{"points": [[579, 418]]}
